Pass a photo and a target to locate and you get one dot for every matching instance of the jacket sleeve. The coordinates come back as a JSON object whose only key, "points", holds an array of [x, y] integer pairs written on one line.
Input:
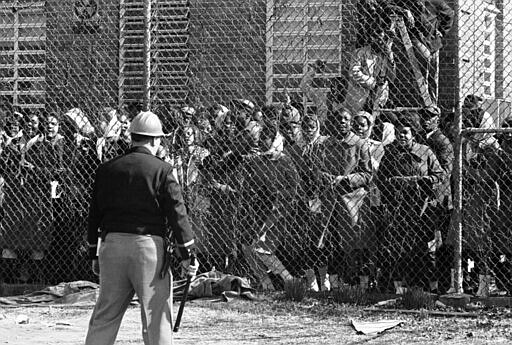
{"points": [[93, 220], [445, 15], [435, 171], [363, 171], [386, 171], [361, 76], [443, 150], [176, 214]]}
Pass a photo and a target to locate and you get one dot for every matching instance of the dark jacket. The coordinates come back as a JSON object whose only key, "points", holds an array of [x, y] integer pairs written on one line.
{"points": [[443, 149], [433, 20], [417, 161], [136, 193]]}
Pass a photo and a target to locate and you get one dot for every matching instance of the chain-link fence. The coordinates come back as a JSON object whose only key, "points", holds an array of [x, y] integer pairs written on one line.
{"points": [[343, 142]]}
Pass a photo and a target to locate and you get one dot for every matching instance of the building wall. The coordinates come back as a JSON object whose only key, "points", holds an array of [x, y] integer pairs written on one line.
{"points": [[228, 54], [473, 53], [227, 50], [82, 67]]}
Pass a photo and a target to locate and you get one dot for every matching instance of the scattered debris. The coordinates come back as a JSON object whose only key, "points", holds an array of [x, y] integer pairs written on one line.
{"points": [[22, 319], [440, 304], [387, 303], [374, 327], [424, 312], [456, 300], [63, 323]]}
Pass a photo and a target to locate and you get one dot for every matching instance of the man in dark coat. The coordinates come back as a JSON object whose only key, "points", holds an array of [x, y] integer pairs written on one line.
{"points": [[135, 198], [443, 205]]}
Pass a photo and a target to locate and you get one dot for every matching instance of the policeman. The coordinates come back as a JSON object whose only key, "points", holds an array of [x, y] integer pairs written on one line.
{"points": [[135, 198]]}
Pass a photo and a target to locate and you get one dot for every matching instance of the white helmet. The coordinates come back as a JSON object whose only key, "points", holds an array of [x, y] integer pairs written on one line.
{"points": [[147, 123]]}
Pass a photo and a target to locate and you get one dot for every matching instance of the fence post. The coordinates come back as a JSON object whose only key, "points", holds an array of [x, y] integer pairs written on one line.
{"points": [[147, 55], [120, 81], [457, 224]]}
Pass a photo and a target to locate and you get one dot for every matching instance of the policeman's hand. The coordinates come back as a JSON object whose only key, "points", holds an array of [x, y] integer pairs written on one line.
{"points": [[96, 267], [189, 270]]}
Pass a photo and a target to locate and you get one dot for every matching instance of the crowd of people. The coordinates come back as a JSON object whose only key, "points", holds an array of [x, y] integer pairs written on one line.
{"points": [[270, 195], [341, 192]]}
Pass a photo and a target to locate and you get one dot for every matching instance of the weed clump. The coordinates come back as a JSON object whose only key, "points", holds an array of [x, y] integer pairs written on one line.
{"points": [[416, 298], [350, 294], [295, 289]]}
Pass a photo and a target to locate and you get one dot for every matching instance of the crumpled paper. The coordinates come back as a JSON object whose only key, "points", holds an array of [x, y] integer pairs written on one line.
{"points": [[374, 327]]}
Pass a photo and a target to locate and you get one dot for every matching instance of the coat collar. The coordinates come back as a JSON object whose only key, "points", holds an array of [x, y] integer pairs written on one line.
{"points": [[351, 139], [139, 149], [416, 150]]}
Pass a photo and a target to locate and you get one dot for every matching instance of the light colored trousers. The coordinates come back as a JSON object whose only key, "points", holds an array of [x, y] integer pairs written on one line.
{"points": [[131, 264]]}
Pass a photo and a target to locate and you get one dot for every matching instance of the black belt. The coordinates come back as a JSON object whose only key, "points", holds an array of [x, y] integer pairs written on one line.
{"points": [[153, 230]]}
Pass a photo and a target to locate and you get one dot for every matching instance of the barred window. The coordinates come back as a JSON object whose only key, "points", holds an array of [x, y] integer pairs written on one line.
{"points": [[299, 33], [22, 53]]}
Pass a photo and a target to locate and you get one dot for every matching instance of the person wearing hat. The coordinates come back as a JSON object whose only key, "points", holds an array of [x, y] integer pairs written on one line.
{"points": [[482, 194], [135, 199], [406, 179], [474, 115], [443, 149]]}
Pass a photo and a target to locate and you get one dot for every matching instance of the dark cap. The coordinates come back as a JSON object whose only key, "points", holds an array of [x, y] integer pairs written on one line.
{"points": [[408, 119]]}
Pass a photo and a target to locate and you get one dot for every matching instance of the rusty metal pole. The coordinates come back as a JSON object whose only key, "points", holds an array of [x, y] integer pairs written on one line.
{"points": [[147, 56]]}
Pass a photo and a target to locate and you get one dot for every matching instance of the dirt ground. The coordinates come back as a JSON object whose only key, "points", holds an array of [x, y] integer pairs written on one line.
{"points": [[264, 322]]}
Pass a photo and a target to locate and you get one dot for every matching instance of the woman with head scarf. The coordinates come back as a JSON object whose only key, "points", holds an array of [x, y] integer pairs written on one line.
{"points": [[346, 172], [363, 126], [305, 155], [333, 173], [406, 179], [187, 167]]}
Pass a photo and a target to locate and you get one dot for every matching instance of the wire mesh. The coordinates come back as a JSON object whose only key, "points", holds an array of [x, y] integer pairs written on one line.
{"points": [[311, 139]]}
